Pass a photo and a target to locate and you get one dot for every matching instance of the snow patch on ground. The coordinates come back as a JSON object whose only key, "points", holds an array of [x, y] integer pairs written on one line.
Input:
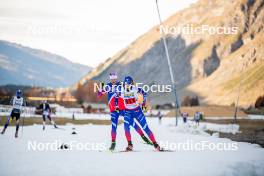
{"points": [[256, 117], [193, 128], [16, 159]]}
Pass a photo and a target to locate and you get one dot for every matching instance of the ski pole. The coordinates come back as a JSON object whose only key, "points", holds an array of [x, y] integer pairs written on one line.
{"points": [[23, 116]]}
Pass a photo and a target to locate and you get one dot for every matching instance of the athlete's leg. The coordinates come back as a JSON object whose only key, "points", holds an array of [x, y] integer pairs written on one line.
{"points": [[143, 122], [141, 133], [52, 121], [137, 128], [114, 120], [7, 122], [44, 121], [17, 124], [134, 125], [128, 121]]}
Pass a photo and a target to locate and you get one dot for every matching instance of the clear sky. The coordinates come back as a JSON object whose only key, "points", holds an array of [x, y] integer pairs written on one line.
{"points": [[84, 31]]}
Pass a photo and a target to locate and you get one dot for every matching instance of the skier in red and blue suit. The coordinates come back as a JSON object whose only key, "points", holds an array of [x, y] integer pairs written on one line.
{"points": [[116, 106], [133, 111]]}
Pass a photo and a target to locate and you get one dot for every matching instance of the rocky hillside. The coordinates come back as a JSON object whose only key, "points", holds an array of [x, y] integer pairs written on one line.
{"points": [[20, 65], [208, 65]]}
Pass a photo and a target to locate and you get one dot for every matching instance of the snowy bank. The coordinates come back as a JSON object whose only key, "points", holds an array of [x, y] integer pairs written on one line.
{"points": [[17, 159]]}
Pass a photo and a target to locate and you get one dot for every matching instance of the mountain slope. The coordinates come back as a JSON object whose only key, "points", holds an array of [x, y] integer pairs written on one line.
{"points": [[26, 66], [206, 65]]}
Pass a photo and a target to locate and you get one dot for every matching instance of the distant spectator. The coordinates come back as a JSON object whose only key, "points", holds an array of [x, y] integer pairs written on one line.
{"points": [[201, 116], [73, 116], [185, 115], [197, 117], [160, 116]]}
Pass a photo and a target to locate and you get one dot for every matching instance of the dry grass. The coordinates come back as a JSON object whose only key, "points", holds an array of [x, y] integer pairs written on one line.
{"points": [[59, 121], [210, 111], [248, 79], [252, 131]]}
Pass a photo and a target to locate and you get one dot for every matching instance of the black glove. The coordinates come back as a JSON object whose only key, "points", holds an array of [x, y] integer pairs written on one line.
{"points": [[144, 107]]}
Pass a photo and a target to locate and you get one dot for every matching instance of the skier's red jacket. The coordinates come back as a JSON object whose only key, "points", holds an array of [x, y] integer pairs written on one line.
{"points": [[114, 102]]}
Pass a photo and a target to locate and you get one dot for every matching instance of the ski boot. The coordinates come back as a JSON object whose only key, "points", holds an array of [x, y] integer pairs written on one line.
{"points": [[146, 140], [112, 147], [157, 147], [3, 131], [43, 128], [129, 147], [16, 135], [55, 126]]}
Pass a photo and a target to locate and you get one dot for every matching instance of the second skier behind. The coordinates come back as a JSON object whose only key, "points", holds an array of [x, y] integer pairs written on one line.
{"points": [[46, 111]]}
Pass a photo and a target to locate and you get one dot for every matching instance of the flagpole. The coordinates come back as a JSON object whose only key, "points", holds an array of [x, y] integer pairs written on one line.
{"points": [[238, 96], [170, 68]]}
